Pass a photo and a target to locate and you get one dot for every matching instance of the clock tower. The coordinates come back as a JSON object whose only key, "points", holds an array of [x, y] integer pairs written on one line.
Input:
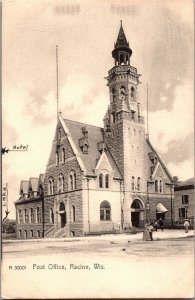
{"points": [[123, 124]]}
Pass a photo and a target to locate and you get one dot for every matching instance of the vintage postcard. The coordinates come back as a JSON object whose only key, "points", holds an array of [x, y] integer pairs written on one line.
{"points": [[97, 149]]}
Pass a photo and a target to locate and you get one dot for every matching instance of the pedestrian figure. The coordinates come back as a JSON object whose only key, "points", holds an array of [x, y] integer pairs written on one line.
{"points": [[186, 225], [155, 225], [147, 236], [150, 229], [161, 223]]}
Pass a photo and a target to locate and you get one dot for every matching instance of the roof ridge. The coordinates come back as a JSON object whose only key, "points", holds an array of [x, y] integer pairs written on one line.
{"points": [[84, 124]]}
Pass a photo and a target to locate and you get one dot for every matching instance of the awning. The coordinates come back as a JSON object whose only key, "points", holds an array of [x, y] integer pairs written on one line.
{"points": [[160, 208]]}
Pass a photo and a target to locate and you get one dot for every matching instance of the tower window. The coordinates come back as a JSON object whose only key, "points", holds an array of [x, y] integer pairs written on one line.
{"points": [[133, 183], [132, 93], [113, 95], [138, 184]]}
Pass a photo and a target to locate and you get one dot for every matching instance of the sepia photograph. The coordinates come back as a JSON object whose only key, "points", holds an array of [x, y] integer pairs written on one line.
{"points": [[97, 149]]}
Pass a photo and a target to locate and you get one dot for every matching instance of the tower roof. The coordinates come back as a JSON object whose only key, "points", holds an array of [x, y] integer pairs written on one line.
{"points": [[121, 44], [121, 39]]}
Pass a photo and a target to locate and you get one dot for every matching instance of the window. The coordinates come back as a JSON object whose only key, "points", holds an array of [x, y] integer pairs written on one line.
{"points": [[51, 186], [38, 215], [25, 216], [72, 181], [185, 200], [160, 186], [101, 180], [61, 183], [63, 154], [20, 219], [132, 115], [107, 181], [57, 158], [133, 183], [105, 211], [182, 212], [113, 95], [51, 215], [73, 215], [25, 234], [132, 93], [31, 233], [38, 233], [138, 183], [156, 185], [32, 215]]}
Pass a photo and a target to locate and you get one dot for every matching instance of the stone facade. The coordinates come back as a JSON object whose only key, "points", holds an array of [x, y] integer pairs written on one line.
{"points": [[100, 180]]}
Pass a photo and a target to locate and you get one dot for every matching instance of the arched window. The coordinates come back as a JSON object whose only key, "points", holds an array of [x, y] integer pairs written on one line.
{"points": [[105, 211], [107, 181], [72, 180], [20, 219], [32, 215], [63, 155], [132, 93], [57, 158], [51, 215], [113, 95], [38, 215], [133, 183], [160, 186], [73, 215], [61, 183], [51, 186], [25, 216], [138, 183], [101, 180], [156, 185]]}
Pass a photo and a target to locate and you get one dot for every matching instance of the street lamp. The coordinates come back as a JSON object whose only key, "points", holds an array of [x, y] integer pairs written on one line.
{"points": [[147, 210]]}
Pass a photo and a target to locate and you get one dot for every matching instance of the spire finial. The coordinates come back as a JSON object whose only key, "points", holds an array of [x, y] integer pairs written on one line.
{"points": [[121, 22]]}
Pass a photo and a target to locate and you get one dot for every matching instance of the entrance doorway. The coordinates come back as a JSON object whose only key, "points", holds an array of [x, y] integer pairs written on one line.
{"points": [[137, 214], [62, 213]]}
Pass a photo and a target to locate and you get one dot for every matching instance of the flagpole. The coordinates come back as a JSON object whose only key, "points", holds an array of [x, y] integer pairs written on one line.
{"points": [[57, 96], [147, 114]]}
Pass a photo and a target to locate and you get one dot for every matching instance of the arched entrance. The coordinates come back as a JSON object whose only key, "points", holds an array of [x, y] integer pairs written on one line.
{"points": [[137, 214], [62, 213]]}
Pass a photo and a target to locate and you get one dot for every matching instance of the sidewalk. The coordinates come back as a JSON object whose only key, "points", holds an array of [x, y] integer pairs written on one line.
{"points": [[159, 235]]}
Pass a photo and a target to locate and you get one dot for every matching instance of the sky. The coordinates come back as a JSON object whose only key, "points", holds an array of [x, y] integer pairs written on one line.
{"points": [[160, 34]]}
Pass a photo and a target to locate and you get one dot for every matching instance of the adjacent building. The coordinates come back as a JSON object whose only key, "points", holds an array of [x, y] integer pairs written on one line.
{"points": [[184, 201], [100, 179]]}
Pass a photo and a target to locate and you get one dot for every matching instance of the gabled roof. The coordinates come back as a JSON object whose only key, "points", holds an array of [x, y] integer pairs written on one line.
{"points": [[186, 182], [95, 136], [160, 160]]}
